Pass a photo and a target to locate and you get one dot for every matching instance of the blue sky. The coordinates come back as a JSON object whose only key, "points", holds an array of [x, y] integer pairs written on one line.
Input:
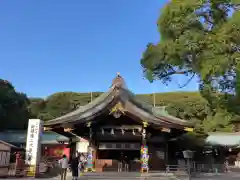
{"points": [[78, 45]]}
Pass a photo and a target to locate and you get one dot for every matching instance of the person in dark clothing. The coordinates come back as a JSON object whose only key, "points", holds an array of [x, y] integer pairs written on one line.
{"points": [[126, 163], [120, 162], [74, 167]]}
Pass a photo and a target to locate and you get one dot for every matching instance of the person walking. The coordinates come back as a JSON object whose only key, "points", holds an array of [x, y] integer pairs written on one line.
{"points": [[74, 167], [64, 166]]}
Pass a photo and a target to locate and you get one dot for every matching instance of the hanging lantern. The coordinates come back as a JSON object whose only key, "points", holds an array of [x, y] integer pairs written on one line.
{"points": [[112, 132], [139, 129], [133, 132], [144, 133]]}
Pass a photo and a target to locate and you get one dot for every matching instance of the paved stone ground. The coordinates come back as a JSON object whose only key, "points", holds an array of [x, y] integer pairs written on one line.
{"points": [[152, 176]]}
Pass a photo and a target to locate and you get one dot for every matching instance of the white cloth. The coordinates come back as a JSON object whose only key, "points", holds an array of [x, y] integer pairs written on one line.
{"points": [[63, 163]]}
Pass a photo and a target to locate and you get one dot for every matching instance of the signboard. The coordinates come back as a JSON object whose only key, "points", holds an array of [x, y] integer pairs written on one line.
{"points": [[160, 154], [33, 146]]}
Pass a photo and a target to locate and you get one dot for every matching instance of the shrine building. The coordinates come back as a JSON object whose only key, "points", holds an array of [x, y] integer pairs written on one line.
{"points": [[117, 125]]}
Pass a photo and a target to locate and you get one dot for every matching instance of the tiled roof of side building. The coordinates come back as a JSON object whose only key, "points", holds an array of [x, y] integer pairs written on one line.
{"points": [[21, 137], [231, 139]]}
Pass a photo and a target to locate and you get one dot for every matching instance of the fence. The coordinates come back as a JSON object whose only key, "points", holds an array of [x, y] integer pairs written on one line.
{"points": [[195, 169], [52, 169]]}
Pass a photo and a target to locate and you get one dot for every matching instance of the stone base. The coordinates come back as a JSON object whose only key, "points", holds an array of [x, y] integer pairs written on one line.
{"points": [[144, 170], [89, 170]]}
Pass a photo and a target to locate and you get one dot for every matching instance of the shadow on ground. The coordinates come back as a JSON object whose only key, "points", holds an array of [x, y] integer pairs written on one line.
{"points": [[51, 173]]}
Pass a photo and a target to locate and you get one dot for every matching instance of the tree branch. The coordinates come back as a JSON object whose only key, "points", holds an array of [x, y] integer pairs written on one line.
{"points": [[189, 80], [174, 72]]}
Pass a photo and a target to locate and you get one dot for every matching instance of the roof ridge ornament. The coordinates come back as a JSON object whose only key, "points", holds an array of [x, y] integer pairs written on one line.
{"points": [[118, 82]]}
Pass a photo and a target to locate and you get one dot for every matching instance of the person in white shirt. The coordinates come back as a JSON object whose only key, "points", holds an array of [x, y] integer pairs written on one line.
{"points": [[64, 166]]}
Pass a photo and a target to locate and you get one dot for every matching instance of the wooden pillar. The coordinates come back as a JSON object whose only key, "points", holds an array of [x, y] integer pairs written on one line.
{"points": [[89, 166], [144, 150], [166, 154], [94, 154]]}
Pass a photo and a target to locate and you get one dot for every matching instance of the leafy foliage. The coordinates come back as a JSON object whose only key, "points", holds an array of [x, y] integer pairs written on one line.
{"points": [[16, 108], [198, 38], [185, 105], [13, 107], [59, 104]]}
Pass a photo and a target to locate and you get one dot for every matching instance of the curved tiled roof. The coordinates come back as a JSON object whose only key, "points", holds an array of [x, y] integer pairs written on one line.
{"points": [[103, 101]]}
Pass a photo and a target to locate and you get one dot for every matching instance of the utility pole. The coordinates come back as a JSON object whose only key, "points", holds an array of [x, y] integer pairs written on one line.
{"points": [[154, 99], [91, 96]]}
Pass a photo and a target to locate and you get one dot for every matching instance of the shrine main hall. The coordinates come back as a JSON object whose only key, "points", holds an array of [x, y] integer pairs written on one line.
{"points": [[118, 125]]}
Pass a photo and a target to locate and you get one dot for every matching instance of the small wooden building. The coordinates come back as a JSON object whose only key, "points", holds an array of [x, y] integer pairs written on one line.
{"points": [[5, 151], [118, 125]]}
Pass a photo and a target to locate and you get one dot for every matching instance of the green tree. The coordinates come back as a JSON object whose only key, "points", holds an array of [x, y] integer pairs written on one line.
{"points": [[199, 38], [58, 104], [13, 107]]}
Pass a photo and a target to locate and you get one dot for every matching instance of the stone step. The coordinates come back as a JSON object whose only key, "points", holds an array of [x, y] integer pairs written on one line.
{"points": [[128, 176]]}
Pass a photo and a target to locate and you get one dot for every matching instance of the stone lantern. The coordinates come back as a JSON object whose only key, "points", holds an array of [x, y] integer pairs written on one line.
{"points": [[188, 155]]}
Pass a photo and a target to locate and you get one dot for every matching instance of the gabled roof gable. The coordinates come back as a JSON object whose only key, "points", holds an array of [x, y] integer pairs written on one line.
{"points": [[117, 92]]}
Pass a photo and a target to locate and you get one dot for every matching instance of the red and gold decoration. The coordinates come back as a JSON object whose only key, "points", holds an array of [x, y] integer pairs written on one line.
{"points": [[57, 151], [89, 165], [144, 149], [144, 158], [117, 110]]}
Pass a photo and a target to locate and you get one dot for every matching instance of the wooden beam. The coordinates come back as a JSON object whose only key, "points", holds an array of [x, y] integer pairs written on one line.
{"points": [[68, 129], [122, 127], [47, 128], [166, 130], [188, 129]]}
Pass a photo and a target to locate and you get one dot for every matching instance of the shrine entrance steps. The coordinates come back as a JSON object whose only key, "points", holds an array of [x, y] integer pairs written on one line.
{"points": [[128, 176]]}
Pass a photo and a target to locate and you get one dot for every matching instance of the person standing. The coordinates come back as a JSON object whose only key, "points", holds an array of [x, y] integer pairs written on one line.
{"points": [[120, 162], [64, 166], [126, 164], [74, 167]]}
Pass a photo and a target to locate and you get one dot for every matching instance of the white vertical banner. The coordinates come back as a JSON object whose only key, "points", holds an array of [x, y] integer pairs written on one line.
{"points": [[33, 146]]}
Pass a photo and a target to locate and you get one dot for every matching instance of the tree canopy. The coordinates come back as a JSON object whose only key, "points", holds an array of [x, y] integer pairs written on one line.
{"points": [[16, 108], [13, 107], [58, 104], [198, 38], [185, 105]]}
